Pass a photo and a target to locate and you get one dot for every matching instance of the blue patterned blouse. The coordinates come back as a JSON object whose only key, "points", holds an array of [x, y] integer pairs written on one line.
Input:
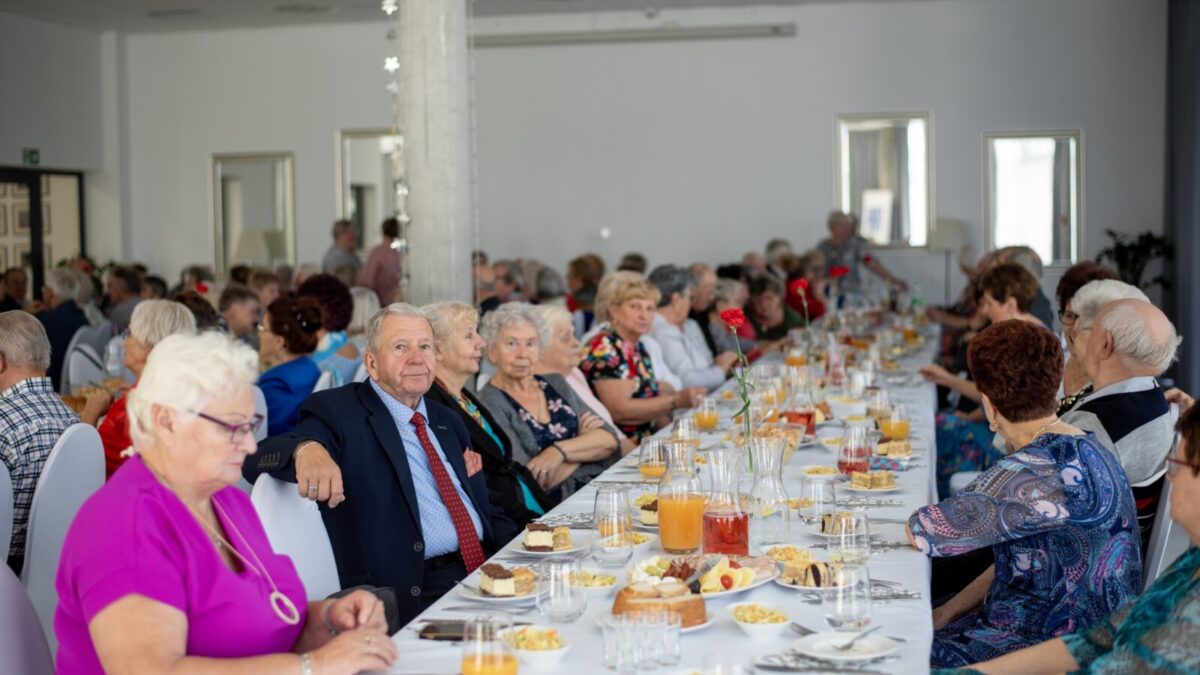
{"points": [[1060, 518]]}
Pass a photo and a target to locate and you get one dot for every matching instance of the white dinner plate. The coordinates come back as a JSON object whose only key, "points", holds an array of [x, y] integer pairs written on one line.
{"points": [[580, 540], [815, 530], [472, 592], [874, 490], [796, 587], [822, 646], [754, 584]]}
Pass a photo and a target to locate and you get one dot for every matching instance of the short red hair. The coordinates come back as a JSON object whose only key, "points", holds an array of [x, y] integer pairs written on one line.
{"points": [[1018, 366]]}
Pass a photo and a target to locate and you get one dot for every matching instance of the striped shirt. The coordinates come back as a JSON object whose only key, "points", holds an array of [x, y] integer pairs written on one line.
{"points": [[1132, 419], [32, 418]]}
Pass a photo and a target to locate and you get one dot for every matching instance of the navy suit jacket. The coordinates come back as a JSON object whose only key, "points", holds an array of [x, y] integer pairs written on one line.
{"points": [[376, 532]]}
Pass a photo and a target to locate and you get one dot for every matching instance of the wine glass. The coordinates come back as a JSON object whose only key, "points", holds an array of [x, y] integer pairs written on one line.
{"points": [[877, 403], [853, 545], [484, 651], [613, 522], [652, 458], [855, 453], [817, 498], [684, 429], [847, 605], [561, 601], [897, 425]]}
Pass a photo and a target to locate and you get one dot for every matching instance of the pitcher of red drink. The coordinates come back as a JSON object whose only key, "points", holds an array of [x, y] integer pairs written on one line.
{"points": [[726, 525], [855, 453]]}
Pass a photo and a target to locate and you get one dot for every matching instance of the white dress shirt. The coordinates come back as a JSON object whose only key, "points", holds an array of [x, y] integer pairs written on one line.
{"points": [[686, 353]]}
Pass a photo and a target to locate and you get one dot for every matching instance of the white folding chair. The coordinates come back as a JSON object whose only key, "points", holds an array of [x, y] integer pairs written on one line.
{"points": [[73, 471], [6, 513], [325, 381], [960, 481], [101, 335], [22, 642], [294, 527], [83, 366], [64, 381], [361, 374], [260, 407]]}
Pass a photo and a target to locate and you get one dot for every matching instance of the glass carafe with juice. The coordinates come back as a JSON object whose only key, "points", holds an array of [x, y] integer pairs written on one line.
{"points": [[680, 501], [855, 453], [484, 651], [896, 424], [726, 525]]}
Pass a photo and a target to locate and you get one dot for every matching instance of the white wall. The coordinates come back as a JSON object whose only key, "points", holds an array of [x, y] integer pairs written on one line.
{"points": [[50, 86], [687, 150]]}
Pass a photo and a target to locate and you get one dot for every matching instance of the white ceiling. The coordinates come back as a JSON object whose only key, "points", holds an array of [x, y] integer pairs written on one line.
{"points": [[164, 15]]}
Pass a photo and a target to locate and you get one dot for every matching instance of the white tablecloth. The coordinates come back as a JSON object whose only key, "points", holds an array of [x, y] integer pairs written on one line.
{"points": [[910, 619]]}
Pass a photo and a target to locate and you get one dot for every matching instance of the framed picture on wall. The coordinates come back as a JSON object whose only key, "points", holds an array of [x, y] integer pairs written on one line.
{"points": [[20, 218]]}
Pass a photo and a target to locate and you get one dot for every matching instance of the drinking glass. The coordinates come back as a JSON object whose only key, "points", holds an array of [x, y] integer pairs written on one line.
{"points": [[847, 606], [484, 651], [804, 412], [620, 643], [723, 663], [684, 429], [897, 425], [817, 498], [877, 404], [672, 623], [706, 414], [613, 522], [649, 634], [858, 382], [561, 601], [855, 453], [853, 547], [652, 458]]}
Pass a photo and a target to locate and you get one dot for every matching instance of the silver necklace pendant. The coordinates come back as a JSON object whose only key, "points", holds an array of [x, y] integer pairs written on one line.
{"points": [[285, 608]]}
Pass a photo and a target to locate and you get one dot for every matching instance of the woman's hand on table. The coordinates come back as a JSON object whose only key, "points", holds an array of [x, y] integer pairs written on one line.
{"points": [[936, 374], [98, 403], [688, 398], [544, 465], [360, 609], [354, 651]]}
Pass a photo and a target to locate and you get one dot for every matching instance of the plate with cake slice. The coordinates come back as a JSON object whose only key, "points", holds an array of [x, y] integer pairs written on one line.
{"points": [[834, 524], [547, 540], [647, 512], [872, 481], [811, 575], [499, 584]]}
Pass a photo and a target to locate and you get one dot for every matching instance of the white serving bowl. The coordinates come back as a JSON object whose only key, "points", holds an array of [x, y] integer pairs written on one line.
{"points": [[541, 658], [761, 631], [601, 591]]}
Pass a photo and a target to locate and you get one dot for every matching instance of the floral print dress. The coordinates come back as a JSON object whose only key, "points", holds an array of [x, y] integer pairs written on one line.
{"points": [[1060, 518], [563, 423], [610, 357]]}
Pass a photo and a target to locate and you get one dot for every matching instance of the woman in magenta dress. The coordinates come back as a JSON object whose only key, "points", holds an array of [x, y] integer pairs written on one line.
{"points": [[167, 567]]}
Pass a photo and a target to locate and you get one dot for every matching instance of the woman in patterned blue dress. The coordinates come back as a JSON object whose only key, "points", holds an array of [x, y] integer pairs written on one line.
{"points": [[1058, 514], [1159, 631]]}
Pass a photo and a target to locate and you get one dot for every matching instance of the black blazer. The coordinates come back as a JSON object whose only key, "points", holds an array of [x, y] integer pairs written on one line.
{"points": [[376, 533], [499, 469]]}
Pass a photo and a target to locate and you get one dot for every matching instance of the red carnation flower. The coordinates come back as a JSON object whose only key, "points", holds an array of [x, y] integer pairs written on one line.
{"points": [[201, 287], [801, 286], [734, 318], [839, 272], [868, 258]]}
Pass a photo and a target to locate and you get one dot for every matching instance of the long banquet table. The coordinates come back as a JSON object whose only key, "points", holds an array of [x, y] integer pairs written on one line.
{"points": [[909, 619]]}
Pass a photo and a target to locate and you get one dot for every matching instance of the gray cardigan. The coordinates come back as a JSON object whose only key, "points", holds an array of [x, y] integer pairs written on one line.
{"points": [[524, 445]]}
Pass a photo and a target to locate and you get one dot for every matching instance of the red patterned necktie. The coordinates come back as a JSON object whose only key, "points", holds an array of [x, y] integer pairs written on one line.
{"points": [[468, 543]]}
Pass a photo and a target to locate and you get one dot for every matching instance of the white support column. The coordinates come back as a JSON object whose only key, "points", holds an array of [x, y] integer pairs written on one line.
{"points": [[435, 122]]}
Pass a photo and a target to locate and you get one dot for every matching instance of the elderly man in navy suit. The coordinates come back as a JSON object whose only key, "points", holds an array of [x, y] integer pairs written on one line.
{"points": [[401, 506]]}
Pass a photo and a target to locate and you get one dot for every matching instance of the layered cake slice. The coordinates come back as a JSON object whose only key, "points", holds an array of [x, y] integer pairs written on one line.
{"points": [[860, 479], [814, 574], [648, 514], [841, 522], [497, 581], [561, 538], [882, 480], [538, 537], [523, 580], [894, 449]]}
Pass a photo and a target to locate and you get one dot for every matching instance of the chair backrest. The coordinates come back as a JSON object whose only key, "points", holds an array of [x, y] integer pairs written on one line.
{"points": [[6, 512], [1167, 539], [101, 335], [325, 381], [83, 366], [361, 374], [73, 471], [64, 381], [22, 642], [294, 527], [260, 407]]}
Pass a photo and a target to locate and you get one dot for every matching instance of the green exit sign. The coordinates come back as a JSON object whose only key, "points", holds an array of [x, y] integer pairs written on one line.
{"points": [[31, 156]]}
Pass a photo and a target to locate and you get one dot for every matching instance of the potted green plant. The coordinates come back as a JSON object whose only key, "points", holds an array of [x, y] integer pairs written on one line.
{"points": [[1131, 256]]}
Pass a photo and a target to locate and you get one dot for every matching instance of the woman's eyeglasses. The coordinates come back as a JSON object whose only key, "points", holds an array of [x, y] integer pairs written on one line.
{"points": [[238, 431], [1173, 464]]}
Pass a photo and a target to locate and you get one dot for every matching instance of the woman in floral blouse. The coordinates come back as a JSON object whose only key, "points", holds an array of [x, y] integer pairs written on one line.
{"points": [[617, 365], [1158, 632], [1058, 514], [560, 440]]}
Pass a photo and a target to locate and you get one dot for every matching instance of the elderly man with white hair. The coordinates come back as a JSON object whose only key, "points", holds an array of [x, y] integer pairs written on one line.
{"points": [[1081, 310], [32, 416], [62, 316], [401, 507], [1129, 343]]}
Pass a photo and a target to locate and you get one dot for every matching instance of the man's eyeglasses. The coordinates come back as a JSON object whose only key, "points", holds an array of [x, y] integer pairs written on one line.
{"points": [[1067, 317], [1173, 464], [238, 431]]}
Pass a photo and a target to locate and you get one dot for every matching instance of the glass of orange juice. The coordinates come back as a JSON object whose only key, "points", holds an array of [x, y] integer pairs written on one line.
{"points": [[484, 651], [706, 414], [684, 429], [680, 502], [896, 425], [652, 458]]}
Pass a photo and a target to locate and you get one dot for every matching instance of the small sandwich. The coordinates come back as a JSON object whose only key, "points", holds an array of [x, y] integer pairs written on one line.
{"points": [[648, 514], [538, 537]]}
